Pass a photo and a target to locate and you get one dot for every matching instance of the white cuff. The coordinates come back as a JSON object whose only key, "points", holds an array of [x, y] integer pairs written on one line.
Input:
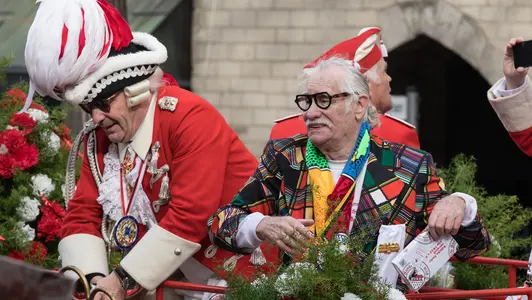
{"points": [[501, 91], [84, 251], [157, 256], [247, 232], [470, 211]]}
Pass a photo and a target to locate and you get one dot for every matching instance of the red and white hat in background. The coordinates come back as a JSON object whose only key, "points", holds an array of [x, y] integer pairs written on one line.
{"points": [[365, 50]]}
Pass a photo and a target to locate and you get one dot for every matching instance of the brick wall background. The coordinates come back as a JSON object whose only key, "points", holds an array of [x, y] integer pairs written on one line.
{"points": [[247, 53]]}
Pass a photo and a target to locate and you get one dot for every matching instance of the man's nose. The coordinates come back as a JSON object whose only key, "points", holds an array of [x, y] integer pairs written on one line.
{"points": [[313, 112], [97, 115]]}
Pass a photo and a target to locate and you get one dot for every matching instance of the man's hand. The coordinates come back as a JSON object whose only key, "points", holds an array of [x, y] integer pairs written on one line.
{"points": [[446, 217], [112, 285], [514, 77], [286, 233]]}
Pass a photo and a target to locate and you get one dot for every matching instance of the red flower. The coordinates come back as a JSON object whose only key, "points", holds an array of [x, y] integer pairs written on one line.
{"points": [[16, 94], [49, 225], [16, 153], [16, 255], [23, 121], [37, 253]]}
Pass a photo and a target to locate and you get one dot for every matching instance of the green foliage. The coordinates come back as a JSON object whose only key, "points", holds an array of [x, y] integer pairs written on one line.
{"points": [[325, 272], [503, 216]]}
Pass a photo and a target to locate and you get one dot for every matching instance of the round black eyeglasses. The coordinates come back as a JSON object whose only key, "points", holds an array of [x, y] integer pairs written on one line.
{"points": [[323, 100]]}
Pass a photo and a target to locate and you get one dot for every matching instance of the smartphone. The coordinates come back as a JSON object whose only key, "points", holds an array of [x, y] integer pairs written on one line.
{"points": [[523, 54]]}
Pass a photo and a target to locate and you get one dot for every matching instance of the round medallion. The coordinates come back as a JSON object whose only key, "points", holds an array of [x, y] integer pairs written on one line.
{"points": [[126, 232]]}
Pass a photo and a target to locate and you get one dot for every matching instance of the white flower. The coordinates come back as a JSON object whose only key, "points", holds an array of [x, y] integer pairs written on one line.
{"points": [[37, 115], [284, 283], [29, 209], [9, 127], [30, 232], [349, 296], [42, 184], [3, 149], [395, 294], [54, 141]]}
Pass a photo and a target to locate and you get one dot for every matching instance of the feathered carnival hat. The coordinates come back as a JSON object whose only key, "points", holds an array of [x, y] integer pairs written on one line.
{"points": [[365, 50], [83, 50]]}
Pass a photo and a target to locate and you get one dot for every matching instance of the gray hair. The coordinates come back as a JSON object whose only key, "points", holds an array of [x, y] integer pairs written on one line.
{"points": [[156, 80], [353, 83]]}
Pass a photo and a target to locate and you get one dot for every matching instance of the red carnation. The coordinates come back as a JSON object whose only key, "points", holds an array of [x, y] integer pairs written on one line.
{"points": [[16, 94], [16, 153], [16, 255], [23, 121], [49, 226], [37, 253]]}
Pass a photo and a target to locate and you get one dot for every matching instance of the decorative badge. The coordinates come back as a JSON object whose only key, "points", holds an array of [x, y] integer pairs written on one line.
{"points": [[126, 232], [167, 103]]}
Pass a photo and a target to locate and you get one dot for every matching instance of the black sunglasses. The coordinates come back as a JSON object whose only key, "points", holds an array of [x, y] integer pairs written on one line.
{"points": [[323, 100], [101, 104]]}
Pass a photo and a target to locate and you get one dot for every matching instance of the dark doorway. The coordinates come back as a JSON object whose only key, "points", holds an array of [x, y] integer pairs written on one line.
{"points": [[455, 116]]}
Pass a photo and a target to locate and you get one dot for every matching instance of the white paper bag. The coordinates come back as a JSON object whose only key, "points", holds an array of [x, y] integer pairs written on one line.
{"points": [[390, 242]]}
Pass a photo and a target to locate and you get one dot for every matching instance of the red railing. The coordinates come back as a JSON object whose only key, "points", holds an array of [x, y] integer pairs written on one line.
{"points": [[425, 293]]}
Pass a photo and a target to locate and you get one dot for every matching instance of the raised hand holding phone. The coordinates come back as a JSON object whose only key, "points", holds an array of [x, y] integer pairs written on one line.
{"points": [[517, 59]]}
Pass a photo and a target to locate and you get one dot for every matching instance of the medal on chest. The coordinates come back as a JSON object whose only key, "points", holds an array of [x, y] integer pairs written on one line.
{"points": [[126, 230]]}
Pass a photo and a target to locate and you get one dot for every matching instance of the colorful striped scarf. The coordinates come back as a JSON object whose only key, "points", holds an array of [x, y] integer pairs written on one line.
{"points": [[330, 200]]}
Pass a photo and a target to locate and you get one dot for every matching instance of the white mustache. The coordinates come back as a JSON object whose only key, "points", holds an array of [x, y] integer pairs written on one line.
{"points": [[319, 122]]}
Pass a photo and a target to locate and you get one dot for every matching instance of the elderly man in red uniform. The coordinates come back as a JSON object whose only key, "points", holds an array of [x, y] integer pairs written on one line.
{"points": [[159, 159], [369, 57], [511, 98]]}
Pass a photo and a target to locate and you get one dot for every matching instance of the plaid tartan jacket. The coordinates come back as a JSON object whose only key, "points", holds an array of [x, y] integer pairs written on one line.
{"points": [[400, 187]]}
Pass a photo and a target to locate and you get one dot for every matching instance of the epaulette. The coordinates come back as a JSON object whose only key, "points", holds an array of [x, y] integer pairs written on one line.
{"points": [[288, 117], [400, 121]]}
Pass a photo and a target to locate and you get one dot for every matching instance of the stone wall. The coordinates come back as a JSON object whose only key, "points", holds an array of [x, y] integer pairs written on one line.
{"points": [[247, 53]]}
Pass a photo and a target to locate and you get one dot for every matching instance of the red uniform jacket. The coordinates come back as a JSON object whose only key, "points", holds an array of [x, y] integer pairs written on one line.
{"points": [[515, 113], [391, 129], [208, 165]]}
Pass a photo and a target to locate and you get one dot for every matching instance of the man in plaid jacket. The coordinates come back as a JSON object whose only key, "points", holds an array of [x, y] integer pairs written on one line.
{"points": [[339, 177]]}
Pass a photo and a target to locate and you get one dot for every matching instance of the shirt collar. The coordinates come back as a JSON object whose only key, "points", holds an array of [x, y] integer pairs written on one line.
{"points": [[141, 141]]}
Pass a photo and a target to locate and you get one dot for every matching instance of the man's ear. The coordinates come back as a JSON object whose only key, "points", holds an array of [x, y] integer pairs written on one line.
{"points": [[360, 109]]}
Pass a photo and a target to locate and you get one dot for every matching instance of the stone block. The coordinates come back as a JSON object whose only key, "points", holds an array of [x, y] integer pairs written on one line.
{"points": [[234, 35], [228, 68], [259, 35], [254, 100], [245, 84], [271, 85], [290, 35], [441, 22], [291, 86], [276, 100], [273, 19], [216, 84], [242, 52], [243, 18], [260, 4], [241, 116], [210, 18], [304, 18], [317, 35], [212, 98], [273, 52], [362, 18], [492, 13], [258, 133], [256, 69], [265, 116], [289, 4], [231, 99], [395, 27], [289, 70], [305, 52], [234, 4], [472, 11], [469, 42], [332, 18], [378, 4], [520, 13]]}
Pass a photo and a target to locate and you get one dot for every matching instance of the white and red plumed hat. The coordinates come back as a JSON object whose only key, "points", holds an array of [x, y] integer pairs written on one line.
{"points": [[365, 50], [81, 50]]}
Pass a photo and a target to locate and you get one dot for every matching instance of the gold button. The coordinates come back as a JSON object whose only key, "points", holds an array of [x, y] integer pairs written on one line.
{"points": [[177, 251]]}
